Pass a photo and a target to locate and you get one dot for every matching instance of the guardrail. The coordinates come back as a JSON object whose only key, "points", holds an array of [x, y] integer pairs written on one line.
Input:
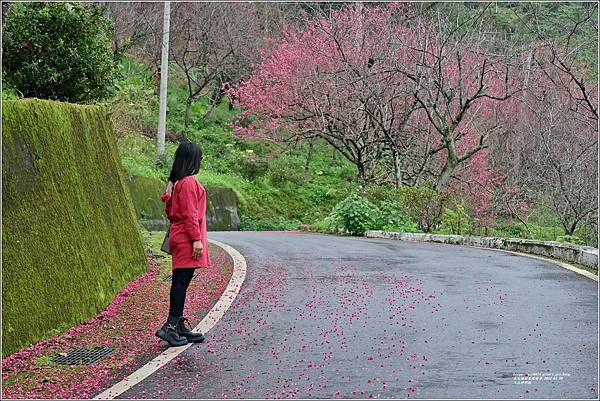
{"points": [[583, 255]]}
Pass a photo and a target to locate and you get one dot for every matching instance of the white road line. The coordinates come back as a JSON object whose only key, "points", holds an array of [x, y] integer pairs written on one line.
{"points": [[564, 265], [557, 262], [209, 321]]}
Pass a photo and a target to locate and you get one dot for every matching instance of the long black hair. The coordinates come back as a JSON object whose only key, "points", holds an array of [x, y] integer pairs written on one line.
{"points": [[187, 161]]}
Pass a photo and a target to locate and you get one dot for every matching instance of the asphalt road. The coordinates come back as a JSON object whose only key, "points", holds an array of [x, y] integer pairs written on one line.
{"points": [[334, 317]]}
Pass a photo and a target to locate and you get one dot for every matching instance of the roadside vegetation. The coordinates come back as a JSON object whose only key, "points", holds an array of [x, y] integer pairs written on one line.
{"points": [[276, 190]]}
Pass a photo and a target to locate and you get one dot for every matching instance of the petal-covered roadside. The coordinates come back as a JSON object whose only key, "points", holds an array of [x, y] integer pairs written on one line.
{"points": [[127, 325]]}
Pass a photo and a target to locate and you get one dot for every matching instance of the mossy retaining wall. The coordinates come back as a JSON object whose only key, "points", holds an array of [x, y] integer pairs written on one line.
{"points": [[70, 240], [221, 205], [221, 209]]}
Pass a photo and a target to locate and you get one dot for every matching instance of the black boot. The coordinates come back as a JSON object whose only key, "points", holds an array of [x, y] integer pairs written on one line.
{"points": [[168, 332], [186, 331]]}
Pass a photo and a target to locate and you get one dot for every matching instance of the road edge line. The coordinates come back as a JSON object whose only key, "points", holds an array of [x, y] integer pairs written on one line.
{"points": [[559, 263], [208, 322]]}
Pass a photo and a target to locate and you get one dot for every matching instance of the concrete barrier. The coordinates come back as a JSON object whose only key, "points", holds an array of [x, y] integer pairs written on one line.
{"points": [[583, 255], [221, 205]]}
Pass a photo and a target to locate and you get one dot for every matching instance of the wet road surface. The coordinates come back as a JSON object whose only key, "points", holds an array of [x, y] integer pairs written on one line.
{"points": [[339, 317]]}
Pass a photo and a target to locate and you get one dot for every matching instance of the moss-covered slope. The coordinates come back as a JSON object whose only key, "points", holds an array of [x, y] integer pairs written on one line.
{"points": [[70, 240]]}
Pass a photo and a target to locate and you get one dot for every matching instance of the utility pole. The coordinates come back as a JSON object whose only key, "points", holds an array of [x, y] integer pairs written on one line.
{"points": [[164, 72]]}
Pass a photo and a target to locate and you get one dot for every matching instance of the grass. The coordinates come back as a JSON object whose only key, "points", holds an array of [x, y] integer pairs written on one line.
{"points": [[138, 155]]}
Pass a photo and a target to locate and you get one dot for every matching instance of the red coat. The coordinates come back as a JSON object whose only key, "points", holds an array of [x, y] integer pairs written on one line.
{"points": [[186, 209]]}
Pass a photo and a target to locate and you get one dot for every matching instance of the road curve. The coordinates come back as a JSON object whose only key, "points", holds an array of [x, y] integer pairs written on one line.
{"points": [[338, 317]]}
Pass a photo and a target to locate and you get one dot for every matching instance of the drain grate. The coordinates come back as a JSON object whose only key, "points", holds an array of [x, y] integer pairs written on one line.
{"points": [[82, 356], [170, 277]]}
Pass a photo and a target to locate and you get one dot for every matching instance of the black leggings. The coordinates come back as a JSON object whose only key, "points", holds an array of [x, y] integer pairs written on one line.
{"points": [[179, 284]]}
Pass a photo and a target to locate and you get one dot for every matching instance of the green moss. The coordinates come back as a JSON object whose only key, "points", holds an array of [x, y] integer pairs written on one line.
{"points": [[145, 193], [70, 239], [221, 209], [584, 267], [221, 205]]}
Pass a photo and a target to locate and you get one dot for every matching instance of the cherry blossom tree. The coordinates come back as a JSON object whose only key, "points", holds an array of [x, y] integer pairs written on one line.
{"points": [[137, 29], [326, 97], [561, 158], [212, 43], [392, 94], [465, 91], [549, 156]]}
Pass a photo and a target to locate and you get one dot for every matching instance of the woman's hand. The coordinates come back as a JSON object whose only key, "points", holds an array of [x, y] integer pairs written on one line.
{"points": [[198, 248]]}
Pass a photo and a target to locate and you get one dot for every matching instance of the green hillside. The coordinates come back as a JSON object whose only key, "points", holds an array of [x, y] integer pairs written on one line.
{"points": [[273, 190]]}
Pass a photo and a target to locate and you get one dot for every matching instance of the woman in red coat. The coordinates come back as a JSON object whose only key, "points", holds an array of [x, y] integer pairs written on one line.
{"points": [[185, 206]]}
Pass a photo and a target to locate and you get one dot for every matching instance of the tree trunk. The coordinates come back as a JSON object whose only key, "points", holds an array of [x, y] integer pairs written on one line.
{"points": [[444, 177], [570, 228], [334, 157], [308, 159], [188, 112], [451, 163], [397, 169], [361, 177]]}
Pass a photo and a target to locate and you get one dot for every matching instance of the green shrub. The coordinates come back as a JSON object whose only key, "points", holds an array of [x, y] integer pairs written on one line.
{"points": [[573, 239], [355, 214], [456, 222], [424, 206], [587, 232], [136, 86], [510, 230], [409, 227], [281, 171], [383, 193], [58, 51], [393, 218], [330, 224], [320, 195], [251, 166], [9, 92]]}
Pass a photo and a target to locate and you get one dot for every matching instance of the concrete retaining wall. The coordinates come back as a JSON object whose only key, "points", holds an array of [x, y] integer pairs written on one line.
{"points": [[221, 205], [583, 255]]}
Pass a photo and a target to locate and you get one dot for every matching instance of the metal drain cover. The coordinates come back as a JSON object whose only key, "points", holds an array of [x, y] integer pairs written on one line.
{"points": [[170, 277], [82, 356]]}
